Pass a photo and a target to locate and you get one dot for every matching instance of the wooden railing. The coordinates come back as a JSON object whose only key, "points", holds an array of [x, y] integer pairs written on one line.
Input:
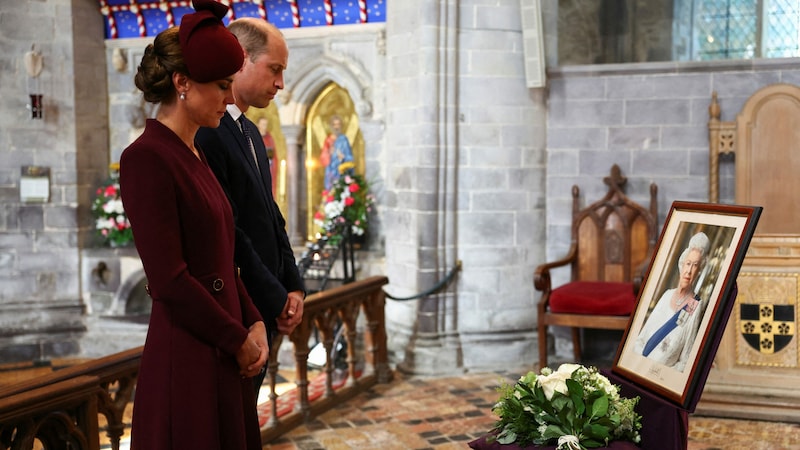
{"points": [[323, 311], [61, 410]]}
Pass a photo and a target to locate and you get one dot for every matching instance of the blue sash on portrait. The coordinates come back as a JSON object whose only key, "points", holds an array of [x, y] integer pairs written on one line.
{"points": [[665, 329]]}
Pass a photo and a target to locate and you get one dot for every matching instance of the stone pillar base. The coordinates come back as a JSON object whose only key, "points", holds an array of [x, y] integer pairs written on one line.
{"points": [[434, 356]]}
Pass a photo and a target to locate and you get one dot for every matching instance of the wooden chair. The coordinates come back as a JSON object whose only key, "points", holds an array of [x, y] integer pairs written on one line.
{"points": [[612, 242]]}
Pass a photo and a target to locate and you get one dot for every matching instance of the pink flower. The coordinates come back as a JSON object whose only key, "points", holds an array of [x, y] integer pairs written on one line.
{"points": [[349, 201], [354, 187], [111, 190]]}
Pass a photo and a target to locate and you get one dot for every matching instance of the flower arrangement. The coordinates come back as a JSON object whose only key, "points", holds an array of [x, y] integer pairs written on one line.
{"points": [[574, 408], [346, 204], [111, 222]]}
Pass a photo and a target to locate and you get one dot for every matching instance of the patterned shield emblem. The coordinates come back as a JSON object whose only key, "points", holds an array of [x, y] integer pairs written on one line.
{"points": [[767, 328]]}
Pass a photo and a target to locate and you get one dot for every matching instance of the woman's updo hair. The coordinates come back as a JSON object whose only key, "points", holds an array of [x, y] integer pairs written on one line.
{"points": [[161, 59]]}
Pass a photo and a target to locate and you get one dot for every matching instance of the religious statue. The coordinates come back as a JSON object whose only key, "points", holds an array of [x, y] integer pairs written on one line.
{"points": [[336, 155]]}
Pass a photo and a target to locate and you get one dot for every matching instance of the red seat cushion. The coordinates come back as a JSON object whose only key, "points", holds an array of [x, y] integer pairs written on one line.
{"points": [[593, 297]]}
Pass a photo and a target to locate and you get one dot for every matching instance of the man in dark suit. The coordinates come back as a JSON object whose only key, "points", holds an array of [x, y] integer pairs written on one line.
{"points": [[236, 154]]}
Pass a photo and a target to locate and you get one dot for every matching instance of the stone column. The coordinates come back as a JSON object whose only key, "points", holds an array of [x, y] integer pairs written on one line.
{"points": [[465, 159], [295, 216], [424, 180]]}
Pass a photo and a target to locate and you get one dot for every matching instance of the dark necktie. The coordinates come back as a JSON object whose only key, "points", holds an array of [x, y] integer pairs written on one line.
{"points": [[247, 137]]}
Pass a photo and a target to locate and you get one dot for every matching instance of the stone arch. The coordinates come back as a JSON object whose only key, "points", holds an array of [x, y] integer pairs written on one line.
{"points": [[131, 297], [320, 72], [314, 76]]}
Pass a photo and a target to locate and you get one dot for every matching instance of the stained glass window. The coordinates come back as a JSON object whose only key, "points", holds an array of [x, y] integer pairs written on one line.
{"points": [[141, 18], [739, 29]]}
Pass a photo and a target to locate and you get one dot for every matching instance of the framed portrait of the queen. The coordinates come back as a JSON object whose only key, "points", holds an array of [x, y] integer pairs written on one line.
{"points": [[685, 299]]}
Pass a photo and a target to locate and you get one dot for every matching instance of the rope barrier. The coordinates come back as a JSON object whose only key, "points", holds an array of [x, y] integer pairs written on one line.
{"points": [[446, 280]]}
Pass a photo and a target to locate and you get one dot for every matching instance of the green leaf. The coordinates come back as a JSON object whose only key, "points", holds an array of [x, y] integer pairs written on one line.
{"points": [[576, 393], [596, 431], [574, 387], [507, 437], [538, 392], [591, 443], [554, 432], [600, 407], [550, 418], [529, 378], [559, 401]]}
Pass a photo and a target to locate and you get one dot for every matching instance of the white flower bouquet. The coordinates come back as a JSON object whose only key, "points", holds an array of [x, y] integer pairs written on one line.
{"points": [[348, 203], [574, 408], [111, 222]]}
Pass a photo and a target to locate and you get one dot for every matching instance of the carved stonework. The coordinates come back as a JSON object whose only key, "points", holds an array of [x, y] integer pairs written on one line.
{"points": [[726, 142], [766, 319]]}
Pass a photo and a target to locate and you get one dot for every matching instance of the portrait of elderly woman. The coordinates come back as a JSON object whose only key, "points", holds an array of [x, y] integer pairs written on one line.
{"points": [[670, 330]]}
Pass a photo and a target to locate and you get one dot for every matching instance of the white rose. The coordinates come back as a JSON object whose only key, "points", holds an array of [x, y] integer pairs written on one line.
{"points": [[103, 224], [556, 381], [333, 209], [569, 368], [607, 387], [116, 206]]}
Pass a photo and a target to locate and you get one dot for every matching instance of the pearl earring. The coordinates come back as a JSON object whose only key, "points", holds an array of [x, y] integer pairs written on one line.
{"points": [[183, 96]]}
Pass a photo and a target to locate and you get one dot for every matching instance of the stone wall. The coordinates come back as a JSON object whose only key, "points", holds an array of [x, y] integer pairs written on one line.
{"points": [[651, 119], [40, 301]]}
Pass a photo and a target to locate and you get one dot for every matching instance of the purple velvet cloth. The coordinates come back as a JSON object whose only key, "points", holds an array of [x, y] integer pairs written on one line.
{"points": [[665, 426]]}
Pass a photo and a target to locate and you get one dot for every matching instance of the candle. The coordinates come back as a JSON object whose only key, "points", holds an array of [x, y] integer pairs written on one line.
{"points": [[282, 178]]}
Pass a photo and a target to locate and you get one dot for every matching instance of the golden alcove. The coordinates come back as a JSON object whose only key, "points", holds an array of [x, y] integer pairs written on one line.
{"points": [[267, 119], [332, 101]]}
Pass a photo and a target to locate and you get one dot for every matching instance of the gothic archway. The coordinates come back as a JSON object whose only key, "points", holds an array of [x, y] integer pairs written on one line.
{"points": [[332, 102]]}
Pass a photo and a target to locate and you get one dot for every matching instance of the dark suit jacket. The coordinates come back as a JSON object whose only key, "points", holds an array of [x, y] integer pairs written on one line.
{"points": [[263, 251]]}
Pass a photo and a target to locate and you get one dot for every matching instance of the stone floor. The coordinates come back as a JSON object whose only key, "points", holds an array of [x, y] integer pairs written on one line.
{"points": [[447, 413], [413, 413]]}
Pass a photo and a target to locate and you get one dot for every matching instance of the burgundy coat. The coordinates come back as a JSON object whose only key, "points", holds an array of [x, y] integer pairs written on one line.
{"points": [[189, 393]]}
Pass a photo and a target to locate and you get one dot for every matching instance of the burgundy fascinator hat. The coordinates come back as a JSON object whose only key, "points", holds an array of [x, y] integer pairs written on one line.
{"points": [[210, 51]]}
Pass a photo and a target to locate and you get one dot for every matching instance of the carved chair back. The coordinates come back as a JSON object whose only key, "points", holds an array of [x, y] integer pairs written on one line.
{"points": [[614, 237]]}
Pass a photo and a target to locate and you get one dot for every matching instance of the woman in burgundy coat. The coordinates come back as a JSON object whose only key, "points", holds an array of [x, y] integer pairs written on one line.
{"points": [[206, 337]]}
